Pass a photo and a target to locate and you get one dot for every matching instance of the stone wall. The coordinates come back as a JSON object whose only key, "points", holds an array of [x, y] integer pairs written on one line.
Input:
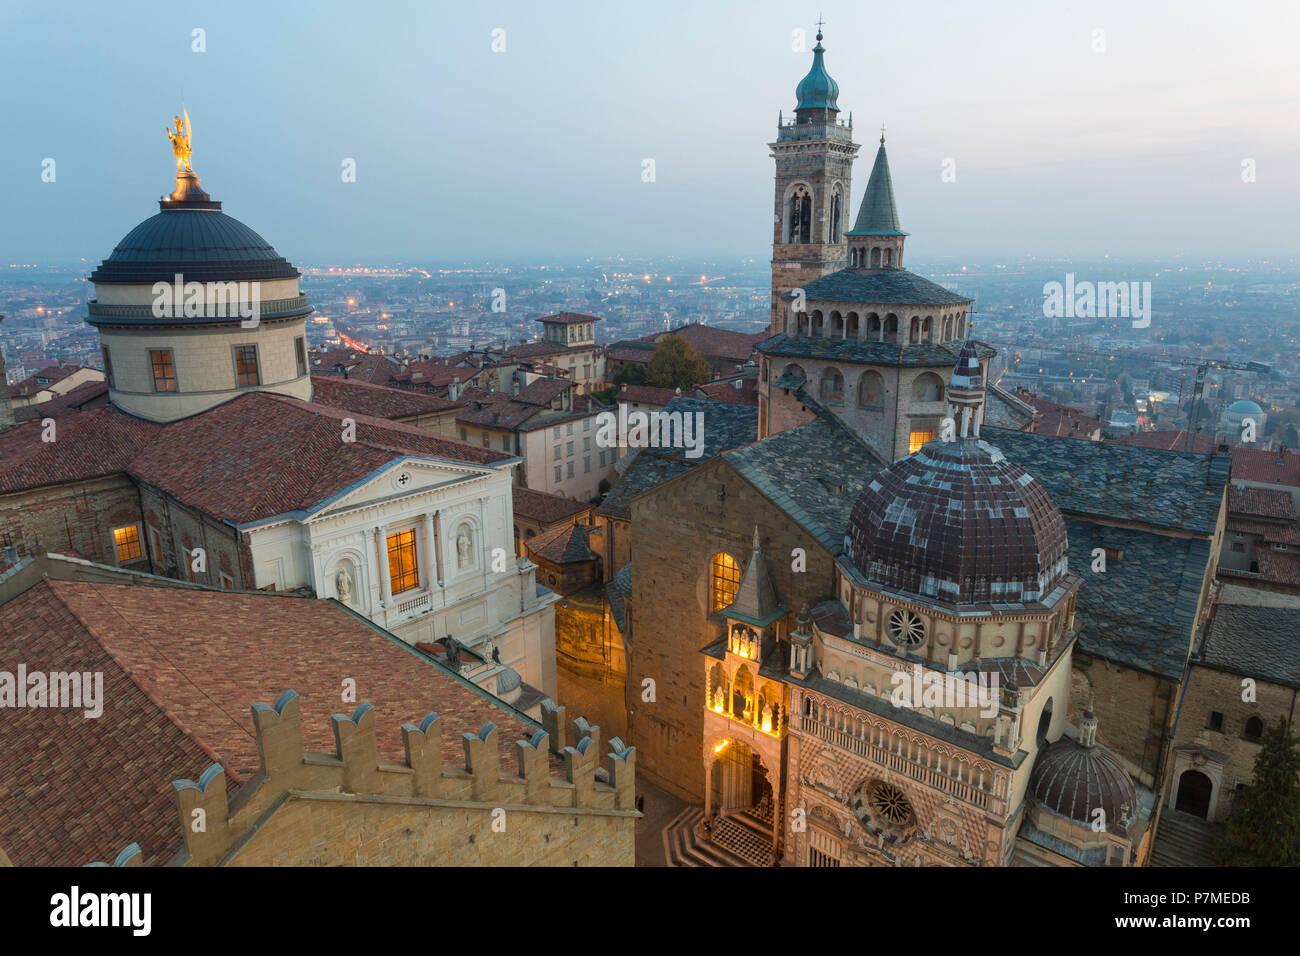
{"points": [[1134, 711], [78, 517], [676, 530]]}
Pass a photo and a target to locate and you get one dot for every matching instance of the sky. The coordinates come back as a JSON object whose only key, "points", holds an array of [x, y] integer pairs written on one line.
{"points": [[1064, 141]]}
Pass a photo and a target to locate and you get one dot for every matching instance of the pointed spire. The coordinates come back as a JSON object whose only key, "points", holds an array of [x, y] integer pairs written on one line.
{"points": [[878, 215], [755, 602]]}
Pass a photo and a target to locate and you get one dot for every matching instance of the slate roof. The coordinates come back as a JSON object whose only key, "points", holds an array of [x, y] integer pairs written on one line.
{"points": [[814, 473], [1005, 410], [886, 287], [182, 667], [925, 354], [1259, 642], [1105, 479], [1169, 440], [1142, 610], [725, 427], [379, 401], [878, 214], [618, 590], [568, 544]]}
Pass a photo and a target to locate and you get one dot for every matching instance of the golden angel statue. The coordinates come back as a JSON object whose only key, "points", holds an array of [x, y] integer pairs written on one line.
{"points": [[181, 142]]}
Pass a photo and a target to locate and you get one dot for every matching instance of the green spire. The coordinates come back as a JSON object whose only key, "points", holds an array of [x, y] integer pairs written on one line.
{"points": [[878, 215]]}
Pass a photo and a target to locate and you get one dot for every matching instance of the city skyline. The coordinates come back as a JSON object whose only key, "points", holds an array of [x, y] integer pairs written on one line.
{"points": [[465, 153]]}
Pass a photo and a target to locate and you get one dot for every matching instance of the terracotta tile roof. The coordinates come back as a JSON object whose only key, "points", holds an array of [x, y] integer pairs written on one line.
{"points": [[537, 349], [379, 401], [719, 343], [1061, 421], [82, 395], [1281, 567], [565, 545], [726, 390], [1261, 502], [568, 318], [262, 454], [637, 352], [182, 668], [266, 455], [53, 374], [647, 395], [543, 507], [1266, 467]]}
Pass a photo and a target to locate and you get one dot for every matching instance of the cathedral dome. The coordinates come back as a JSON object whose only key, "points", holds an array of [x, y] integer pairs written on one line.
{"points": [[956, 521], [1076, 778], [817, 91], [193, 237]]}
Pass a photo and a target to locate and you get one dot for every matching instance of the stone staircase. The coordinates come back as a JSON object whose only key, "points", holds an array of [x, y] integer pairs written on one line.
{"points": [[738, 840], [1184, 840]]}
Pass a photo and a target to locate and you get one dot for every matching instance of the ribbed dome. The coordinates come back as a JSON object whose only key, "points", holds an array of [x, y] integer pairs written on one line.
{"points": [[1076, 779], [958, 522], [192, 236], [817, 90]]}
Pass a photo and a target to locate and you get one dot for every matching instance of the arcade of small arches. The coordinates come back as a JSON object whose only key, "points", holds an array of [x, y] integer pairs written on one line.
{"points": [[872, 257], [952, 771], [870, 389], [734, 693], [874, 327]]}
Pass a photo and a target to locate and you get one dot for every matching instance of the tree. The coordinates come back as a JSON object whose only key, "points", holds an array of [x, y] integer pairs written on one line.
{"points": [[1264, 824], [629, 373], [676, 364]]}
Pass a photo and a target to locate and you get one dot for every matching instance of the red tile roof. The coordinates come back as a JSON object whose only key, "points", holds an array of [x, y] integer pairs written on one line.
{"points": [[1060, 421], [646, 395], [568, 318], [1281, 567], [1261, 502], [725, 390], [543, 507], [54, 374], [379, 401], [718, 343], [79, 397], [1266, 467], [182, 668], [256, 456]]}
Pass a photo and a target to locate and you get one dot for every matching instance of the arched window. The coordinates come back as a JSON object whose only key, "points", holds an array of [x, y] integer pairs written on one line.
{"points": [[891, 328], [875, 258], [887, 257], [837, 325], [871, 390], [818, 324], [852, 328], [1254, 729], [794, 373], [832, 388], [798, 217], [724, 580], [837, 213]]}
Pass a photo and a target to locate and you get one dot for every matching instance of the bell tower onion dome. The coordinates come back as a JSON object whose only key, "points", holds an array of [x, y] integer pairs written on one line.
{"points": [[817, 91], [956, 521], [194, 308]]}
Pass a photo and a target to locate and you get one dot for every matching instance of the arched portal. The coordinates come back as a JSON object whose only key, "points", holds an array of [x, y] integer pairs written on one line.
{"points": [[1194, 789]]}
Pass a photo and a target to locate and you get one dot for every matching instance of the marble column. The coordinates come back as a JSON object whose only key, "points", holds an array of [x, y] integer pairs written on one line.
{"points": [[432, 566], [385, 582]]}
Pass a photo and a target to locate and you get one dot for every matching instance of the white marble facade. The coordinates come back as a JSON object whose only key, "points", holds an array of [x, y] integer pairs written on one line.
{"points": [[470, 585]]}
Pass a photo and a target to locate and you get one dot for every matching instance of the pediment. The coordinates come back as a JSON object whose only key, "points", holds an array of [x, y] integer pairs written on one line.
{"points": [[401, 478]]}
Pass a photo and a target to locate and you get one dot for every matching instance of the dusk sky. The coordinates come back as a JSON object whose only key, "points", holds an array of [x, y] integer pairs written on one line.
{"points": [[535, 153]]}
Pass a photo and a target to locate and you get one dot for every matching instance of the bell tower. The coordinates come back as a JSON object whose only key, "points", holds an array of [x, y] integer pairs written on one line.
{"points": [[814, 153]]}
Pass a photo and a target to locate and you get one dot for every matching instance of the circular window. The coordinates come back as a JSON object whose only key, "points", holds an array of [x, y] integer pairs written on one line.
{"points": [[884, 811], [891, 804], [906, 629]]}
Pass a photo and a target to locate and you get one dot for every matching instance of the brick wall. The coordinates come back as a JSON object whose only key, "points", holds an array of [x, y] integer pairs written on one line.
{"points": [[79, 516]]}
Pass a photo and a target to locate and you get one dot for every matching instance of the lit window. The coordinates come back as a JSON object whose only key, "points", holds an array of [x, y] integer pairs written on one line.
{"points": [[127, 541], [403, 569], [246, 370], [919, 438], [724, 581], [164, 370]]}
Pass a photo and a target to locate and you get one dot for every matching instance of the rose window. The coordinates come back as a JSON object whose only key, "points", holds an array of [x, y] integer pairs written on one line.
{"points": [[891, 804], [906, 629]]}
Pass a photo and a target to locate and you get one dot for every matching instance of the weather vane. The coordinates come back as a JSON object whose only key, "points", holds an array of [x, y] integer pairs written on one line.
{"points": [[819, 26], [181, 139], [882, 134]]}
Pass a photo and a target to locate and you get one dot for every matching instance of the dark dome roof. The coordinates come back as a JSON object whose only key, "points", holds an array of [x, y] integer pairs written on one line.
{"points": [[958, 522], [1074, 780], [192, 236]]}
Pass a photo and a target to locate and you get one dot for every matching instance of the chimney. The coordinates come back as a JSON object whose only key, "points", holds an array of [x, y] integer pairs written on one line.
{"points": [[6, 406]]}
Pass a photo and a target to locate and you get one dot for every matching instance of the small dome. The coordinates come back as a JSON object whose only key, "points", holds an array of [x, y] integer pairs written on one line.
{"points": [[958, 522], [1076, 778], [817, 91], [1244, 406]]}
